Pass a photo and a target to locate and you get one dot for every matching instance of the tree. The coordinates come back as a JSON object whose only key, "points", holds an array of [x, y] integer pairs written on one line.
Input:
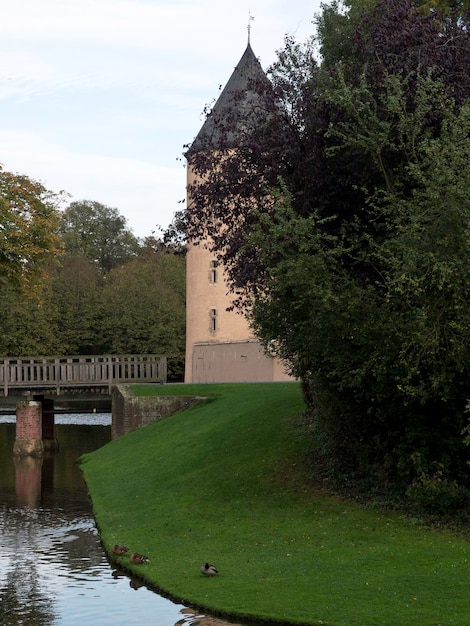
{"points": [[109, 293], [353, 252], [446, 6], [376, 324], [145, 306], [98, 233], [21, 312], [28, 229], [76, 305]]}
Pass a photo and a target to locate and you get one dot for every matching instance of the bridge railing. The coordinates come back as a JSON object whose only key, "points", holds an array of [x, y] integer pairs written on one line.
{"points": [[80, 371]]}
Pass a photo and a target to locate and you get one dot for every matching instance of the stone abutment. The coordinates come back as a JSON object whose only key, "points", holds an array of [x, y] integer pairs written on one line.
{"points": [[131, 412]]}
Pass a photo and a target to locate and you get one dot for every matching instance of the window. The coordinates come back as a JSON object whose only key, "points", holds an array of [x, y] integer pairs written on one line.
{"points": [[213, 272], [213, 320]]}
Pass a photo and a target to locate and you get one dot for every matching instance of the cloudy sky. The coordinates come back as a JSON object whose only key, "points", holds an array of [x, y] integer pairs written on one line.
{"points": [[98, 97]]}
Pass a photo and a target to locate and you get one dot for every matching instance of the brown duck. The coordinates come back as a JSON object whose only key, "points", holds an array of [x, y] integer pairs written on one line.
{"points": [[138, 559], [120, 550]]}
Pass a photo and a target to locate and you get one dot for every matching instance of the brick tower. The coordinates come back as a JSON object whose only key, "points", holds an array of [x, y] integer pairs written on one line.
{"points": [[220, 346]]}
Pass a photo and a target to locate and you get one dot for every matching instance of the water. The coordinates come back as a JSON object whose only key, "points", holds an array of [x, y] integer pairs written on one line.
{"points": [[53, 569]]}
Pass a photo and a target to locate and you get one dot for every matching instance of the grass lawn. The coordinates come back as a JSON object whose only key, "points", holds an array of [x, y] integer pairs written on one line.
{"points": [[223, 482]]}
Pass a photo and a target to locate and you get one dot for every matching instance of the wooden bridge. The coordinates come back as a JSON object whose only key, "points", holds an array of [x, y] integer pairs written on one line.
{"points": [[75, 372]]}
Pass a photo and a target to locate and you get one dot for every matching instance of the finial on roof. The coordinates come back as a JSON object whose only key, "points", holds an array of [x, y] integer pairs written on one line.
{"points": [[250, 18]]}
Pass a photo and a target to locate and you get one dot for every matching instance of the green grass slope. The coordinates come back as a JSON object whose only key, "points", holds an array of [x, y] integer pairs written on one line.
{"points": [[222, 482]]}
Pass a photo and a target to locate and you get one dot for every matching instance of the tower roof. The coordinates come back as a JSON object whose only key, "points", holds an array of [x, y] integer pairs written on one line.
{"points": [[241, 106]]}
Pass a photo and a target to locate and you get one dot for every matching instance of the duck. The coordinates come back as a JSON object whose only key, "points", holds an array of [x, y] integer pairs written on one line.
{"points": [[138, 559], [209, 570], [120, 550]]}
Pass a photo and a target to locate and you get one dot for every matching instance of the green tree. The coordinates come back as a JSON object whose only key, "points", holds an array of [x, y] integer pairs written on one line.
{"points": [[98, 233], [355, 258], [376, 324], [110, 293], [337, 28], [76, 305], [28, 229], [28, 322], [447, 6], [145, 306]]}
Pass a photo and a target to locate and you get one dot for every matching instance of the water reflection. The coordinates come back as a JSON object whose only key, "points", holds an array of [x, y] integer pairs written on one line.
{"points": [[192, 618], [28, 473], [53, 569]]}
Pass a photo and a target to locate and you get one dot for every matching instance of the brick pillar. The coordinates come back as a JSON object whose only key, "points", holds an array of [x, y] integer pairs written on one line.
{"points": [[28, 429]]}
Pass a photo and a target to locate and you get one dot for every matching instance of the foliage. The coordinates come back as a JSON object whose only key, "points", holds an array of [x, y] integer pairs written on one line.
{"points": [[98, 233], [437, 494], [447, 6], [128, 297], [118, 295], [22, 311], [76, 304], [28, 229], [337, 29], [353, 251], [145, 307]]}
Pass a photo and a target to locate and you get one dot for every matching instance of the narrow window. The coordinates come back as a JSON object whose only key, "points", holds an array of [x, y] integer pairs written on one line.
{"points": [[213, 318], [213, 272]]}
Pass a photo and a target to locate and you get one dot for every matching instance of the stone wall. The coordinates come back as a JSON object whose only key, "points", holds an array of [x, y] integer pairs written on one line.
{"points": [[130, 412], [236, 362]]}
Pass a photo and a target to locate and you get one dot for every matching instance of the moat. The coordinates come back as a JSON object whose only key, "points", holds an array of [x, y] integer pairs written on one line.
{"points": [[53, 569]]}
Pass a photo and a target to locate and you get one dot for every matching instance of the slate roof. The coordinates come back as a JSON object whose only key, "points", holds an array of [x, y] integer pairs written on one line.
{"points": [[241, 106]]}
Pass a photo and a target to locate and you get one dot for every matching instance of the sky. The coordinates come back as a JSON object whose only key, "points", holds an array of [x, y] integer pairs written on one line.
{"points": [[99, 97]]}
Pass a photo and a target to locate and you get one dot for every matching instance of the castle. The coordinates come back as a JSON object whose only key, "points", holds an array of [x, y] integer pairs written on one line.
{"points": [[220, 346]]}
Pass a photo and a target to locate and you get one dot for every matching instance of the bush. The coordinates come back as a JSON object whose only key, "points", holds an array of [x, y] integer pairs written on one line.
{"points": [[435, 493]]}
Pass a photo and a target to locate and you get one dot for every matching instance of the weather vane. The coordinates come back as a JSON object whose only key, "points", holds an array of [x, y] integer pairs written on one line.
{"points": [[250, 18]]}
